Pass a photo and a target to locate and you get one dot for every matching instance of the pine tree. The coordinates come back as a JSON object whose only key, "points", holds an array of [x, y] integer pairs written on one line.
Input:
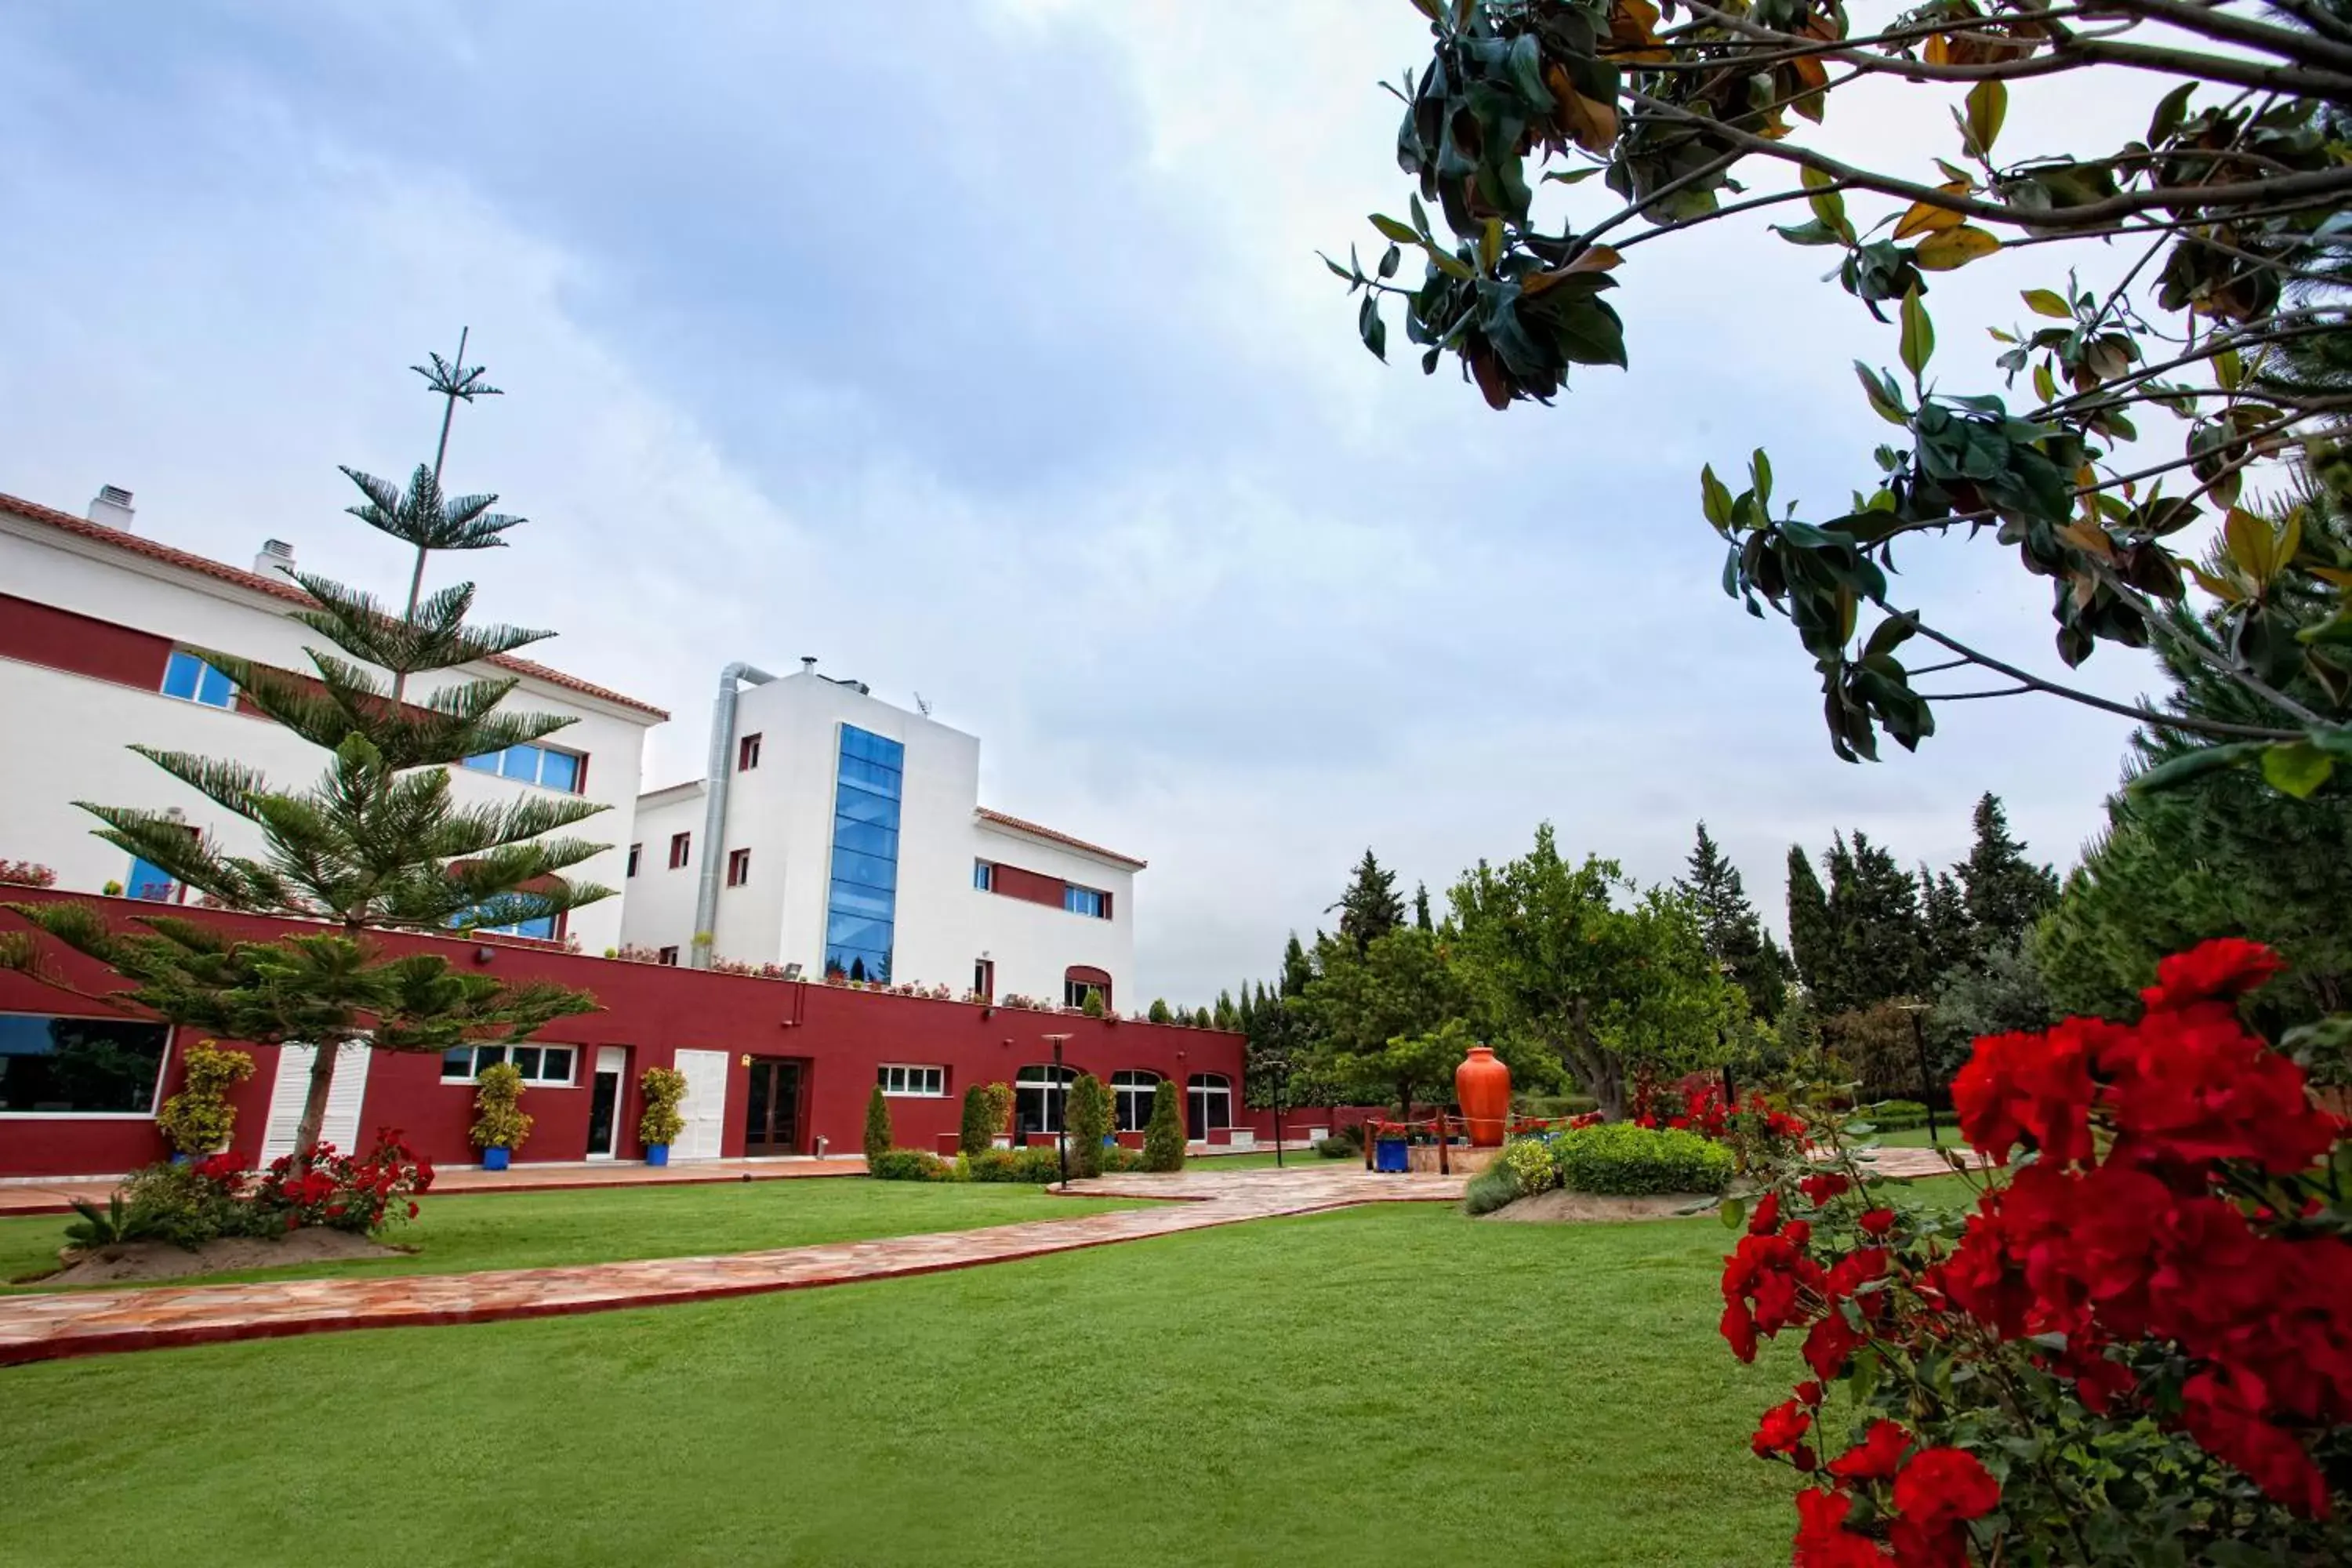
{"points": [[378, 843], [1729, 925], [1369, 908], [1090, 1124], [1247, 1011], [1811, 945], [1420, 907], [1952, 939], [1296, 969], [1163, 1140], [877, 1125], [2007, 894]]}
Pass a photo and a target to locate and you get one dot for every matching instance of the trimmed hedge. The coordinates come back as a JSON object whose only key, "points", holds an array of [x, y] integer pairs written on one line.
{"points": [[1626, 1161], [1339, 1149], [908, 1165], [1894, 1115], [1037, 1167]]}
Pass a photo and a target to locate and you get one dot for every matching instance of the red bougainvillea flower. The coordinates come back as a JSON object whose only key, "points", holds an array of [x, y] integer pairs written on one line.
{"points": [[1876, 1457], [2225, 968], [1782, 1430], [1823, 1540], [1825, 1186], [1877, 1222]]}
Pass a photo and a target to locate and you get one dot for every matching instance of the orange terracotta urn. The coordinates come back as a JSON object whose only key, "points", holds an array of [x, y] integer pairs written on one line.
{"points": [[1482, 1085]]}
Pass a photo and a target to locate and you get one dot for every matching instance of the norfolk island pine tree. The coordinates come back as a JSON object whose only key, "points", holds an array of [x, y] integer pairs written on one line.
{"points": [[377, 843]]}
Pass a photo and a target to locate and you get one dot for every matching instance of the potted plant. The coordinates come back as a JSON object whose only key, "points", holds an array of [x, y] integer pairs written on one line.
{"points": [[199, 1119], [658, 1127], [500, 1123]]}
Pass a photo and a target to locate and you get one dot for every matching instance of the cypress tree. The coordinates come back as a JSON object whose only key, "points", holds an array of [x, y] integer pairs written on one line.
{"points": [[1371, 907], [981, 1122], [377, 843], [1811, 943], [1875, 906], [1163, 1140], [1420, 907], [1951, 937], [1224, 1015], [2006, 893], [1090, 1112], [877, 1125], [1296, 969]]}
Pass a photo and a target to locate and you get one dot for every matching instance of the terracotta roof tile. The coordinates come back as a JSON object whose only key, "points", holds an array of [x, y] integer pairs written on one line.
{"points": [[1018, 826], [188, 561]]}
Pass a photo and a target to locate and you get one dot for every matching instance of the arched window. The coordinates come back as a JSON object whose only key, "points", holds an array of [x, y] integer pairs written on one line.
{"points": [[1208, 1104], [1037, 1099], [1131, 1094], [1080, 980]]}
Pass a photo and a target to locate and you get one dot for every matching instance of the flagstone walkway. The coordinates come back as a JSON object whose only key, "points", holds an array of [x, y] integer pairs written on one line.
{"points": [[45, 1327]]}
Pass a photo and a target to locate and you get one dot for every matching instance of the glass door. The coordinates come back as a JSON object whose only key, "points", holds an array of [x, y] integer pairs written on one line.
{"points": [[772, 1108]]}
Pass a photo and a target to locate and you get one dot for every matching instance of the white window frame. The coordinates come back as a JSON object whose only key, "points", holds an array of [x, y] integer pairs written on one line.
{"points": [[908, 1080], [496, 765], [1134, 1082], [488, 1055]]}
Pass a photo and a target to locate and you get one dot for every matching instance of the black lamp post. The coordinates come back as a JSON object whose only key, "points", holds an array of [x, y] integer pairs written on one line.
{"points": [[1919, 1011], [1060, 1101]]}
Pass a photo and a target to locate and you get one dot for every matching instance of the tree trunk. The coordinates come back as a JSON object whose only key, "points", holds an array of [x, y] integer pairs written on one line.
{"points": [[1404, 1100], [314, 1103]]}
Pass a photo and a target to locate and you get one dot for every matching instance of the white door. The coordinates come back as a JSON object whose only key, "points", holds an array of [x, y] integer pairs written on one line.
{"points": [[341, 1127], [705, 1105]]}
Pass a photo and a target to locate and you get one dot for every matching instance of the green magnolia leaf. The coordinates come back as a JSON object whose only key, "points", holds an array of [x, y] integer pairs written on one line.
{"points": [[1570, 176], [1759, 474], [1734, 1214], [2195, 765], [1988, 106], [1953, 248], [1490, 243], [1812, 231], [1918, 343], [2169, 113], [1883, 402], [1714, 498], [2048, 302], [1828, 205], [1403, 233], [2297, 767], [1389, 260]]}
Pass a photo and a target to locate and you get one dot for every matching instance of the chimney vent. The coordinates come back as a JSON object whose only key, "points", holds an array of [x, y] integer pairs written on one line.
{"points": [[808, 664], [277, 558], [111, 507]]}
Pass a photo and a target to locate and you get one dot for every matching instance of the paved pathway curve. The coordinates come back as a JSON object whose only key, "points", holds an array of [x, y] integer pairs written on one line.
{"points": [[87, 1322]]}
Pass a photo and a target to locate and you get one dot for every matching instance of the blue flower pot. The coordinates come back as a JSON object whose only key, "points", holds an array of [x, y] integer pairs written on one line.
{"points": [[657, 1153], [183, 1159], [495, 1159], [1388, 1154]]}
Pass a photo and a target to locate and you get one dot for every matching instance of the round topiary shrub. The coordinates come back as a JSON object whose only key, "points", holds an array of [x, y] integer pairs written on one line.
{"points": [[1622, 1160]]}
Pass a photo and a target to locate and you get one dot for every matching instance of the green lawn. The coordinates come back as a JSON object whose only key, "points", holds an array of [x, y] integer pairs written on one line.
{"points": [[465, 1231], [1394, 1384]]}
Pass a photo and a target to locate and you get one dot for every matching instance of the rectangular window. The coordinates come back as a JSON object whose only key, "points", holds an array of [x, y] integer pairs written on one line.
{"points": [[544, 928], [542, 765], [79, 1067], [191, 680], [984, 875], [746, 754], [1075, 992], [681, 848], [1087, 901], [634, 850], [738, 868], [546, 1067], [930, 1083], [668, 955], [861, 907], [983, 979]]}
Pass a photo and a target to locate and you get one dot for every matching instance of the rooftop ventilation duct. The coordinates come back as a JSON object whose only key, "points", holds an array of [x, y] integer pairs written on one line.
{"points": [[111, 508]]}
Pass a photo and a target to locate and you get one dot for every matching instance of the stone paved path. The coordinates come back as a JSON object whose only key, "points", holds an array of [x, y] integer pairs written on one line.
{"points": [[1912, 1164], [88, 1322]]}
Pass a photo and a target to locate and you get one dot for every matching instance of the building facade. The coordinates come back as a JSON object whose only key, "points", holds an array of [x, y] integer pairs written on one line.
{"points": [[97, 631], [847, 836]]}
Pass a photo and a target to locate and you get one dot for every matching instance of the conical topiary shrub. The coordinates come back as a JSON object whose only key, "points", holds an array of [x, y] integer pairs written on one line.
{"points": [[877, 1125], [1089, 1114], [1163, 1140]]}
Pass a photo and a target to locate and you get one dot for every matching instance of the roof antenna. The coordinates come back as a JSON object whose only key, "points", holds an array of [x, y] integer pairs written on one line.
{"points": [[923, 704]]}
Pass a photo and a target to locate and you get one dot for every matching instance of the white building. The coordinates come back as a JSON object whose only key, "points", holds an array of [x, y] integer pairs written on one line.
{"points": [[846, 836], [96, 622]]}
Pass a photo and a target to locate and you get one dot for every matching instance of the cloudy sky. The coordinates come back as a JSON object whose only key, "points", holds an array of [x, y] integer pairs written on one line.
{"points": [[980, 348]]}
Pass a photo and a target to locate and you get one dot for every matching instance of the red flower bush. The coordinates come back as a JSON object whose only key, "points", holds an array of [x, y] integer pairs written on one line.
{"points": [[358, 1194], [2137, 1347]]}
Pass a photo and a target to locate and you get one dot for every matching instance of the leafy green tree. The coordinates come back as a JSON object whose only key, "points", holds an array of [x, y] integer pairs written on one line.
{"points": [[1163, 1139], [1734, 938], [2007, 894], [877, 1125], [1999, 992], [1201, 1017], [1279, 1055], [2166, 259], [1879, 942], [1378, 1017], [1090, 1124], [1159, 1013], [1949, 936], [378, 843], [1557, 963], [1371, 907]]}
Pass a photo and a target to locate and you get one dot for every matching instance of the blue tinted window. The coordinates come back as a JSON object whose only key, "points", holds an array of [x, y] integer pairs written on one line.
{"points": [[560, 770], [1082, 900], [863, 899], [520, 762], [984, 875], [533, 764], [191, 680], [487, 762], [149, 880]]}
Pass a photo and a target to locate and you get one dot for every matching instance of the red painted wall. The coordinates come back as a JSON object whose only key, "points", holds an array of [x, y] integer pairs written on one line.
{"points": [[839, 1035], [1012, 882], [42, 633]]}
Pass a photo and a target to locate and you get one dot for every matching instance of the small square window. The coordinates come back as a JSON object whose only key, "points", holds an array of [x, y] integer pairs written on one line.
{"points": [[746, 754], [984, 875], [681, 850], [738, 868], [670, 955], [560, 770], [634, 850]]}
